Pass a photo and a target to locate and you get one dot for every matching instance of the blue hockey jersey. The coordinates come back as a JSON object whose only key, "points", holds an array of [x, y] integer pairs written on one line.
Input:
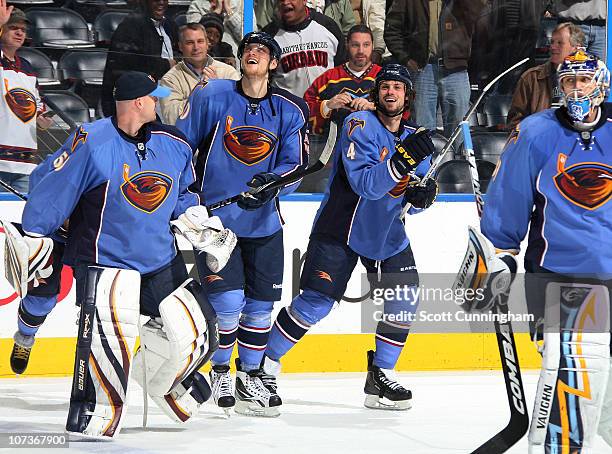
{"points": [[120, 194], [557, 182], [364, 197], [238, 137]]}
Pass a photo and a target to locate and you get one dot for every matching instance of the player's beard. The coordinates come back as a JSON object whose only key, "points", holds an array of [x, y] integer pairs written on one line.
{"points": [[392, 113]]}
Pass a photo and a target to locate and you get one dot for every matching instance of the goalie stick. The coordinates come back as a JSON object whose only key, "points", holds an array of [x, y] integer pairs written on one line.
{"points": [[291, 178], [519, 418], [460, 128]]}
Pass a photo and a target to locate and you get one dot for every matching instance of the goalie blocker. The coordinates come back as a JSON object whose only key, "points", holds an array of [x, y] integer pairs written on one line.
{"points": [[176, 343]]}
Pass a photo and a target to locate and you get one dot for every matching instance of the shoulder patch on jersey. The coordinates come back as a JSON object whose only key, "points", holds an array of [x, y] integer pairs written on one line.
{"points": [[514, 135], [22, 103], [586, 184], [185, 111], [80, 137], [146, 190], [354, 123], [248, 144]]}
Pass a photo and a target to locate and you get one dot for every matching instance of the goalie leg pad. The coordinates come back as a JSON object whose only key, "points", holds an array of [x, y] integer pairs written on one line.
{"points": [[175, 346], [108, 327], [605, 422], [575, 369]]}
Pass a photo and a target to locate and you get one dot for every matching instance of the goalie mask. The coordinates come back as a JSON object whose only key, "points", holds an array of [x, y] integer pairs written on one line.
{"points": [[580, 101]]}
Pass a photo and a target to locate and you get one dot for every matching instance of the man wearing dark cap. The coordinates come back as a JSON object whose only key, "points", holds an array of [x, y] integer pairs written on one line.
{"points": [[20, 104], [144, 41], [123, 182], [218, 49]]}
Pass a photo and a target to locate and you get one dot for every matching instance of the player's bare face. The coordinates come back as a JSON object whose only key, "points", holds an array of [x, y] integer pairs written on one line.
{"points": [[392, 95], [194, 46], [256, 60], [14, 36], [292, 11], [360, 51], [148, 108]]}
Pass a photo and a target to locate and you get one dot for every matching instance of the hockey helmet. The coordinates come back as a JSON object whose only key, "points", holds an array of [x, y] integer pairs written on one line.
{"points": [[396, 72], [581, 63], [260, 38]]}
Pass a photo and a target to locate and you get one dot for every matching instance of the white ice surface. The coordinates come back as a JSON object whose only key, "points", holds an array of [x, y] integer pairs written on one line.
{"points": [[322, 413]]}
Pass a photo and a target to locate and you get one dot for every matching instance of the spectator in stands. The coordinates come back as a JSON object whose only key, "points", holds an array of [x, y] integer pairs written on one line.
{"points": [[197, 66], [590, 16], [372, 14], [229, 13], [537, 89], [341, 11], [433, 39], [344, 89], [21, 108], [311, 44], [213, 23], [142, 42]]}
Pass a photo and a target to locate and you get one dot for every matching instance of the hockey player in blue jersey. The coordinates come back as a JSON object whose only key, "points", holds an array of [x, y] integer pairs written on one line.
{"points": [[359, 218], [123, 182], [248, 134], [555, 179]]}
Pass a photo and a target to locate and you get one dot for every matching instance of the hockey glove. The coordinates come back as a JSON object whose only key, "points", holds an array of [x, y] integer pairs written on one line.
{"points": [[422, 196], [485, 276], [411, 151], [27, 261], [206, 234], [254, 200]]}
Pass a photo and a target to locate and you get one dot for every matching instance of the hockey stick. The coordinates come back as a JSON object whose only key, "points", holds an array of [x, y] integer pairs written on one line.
{"points": [[292, 178], [459, 129], [9, 188], [519, 419]]}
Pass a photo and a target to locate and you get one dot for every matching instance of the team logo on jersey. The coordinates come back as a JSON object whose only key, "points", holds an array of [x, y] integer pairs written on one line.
{"points": [[353, 124], [588, 184], [22, 103], [80, 137], [383, 153], [147, 190], [400, 187], [514, 135], [248, 144], [324, 275], [212, 278]]}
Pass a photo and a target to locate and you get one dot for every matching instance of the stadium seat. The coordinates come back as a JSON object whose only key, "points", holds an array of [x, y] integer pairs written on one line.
{"points": [[488, 146], [495, 111], [69, 103], [58, 28], [85, 66], [28, 3], [439, 141], [454, 177], [43, 66], [105, 25], [485, 172]]}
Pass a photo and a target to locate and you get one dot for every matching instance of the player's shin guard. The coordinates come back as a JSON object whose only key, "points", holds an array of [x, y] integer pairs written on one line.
{"points": [[175, 346], [253, 332], [228, 306], [575, 369], [33, 311], [605, 421], [108, 326], [293, 322]]}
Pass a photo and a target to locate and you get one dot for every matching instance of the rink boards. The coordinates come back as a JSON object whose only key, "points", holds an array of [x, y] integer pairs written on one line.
{"points": [[337, 344]]}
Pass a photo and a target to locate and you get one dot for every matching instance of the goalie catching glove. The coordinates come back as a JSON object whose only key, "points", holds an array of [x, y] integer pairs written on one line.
{"points": [[206, 234], [411, 151], [27, 260], [486, 272]]}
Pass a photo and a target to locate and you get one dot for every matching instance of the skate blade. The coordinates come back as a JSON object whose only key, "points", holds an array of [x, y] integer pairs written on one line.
{"points": [[79, 436], [252, 409], [382, 403]]}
